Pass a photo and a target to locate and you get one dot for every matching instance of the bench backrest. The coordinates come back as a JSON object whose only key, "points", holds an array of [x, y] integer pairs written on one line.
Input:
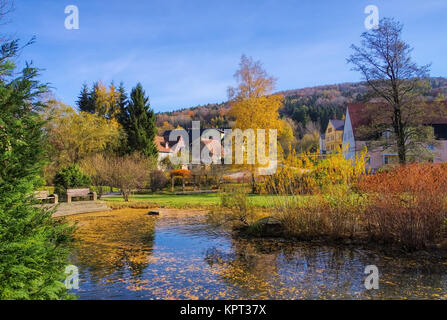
{"points": [[78, 192], [40, 194]]}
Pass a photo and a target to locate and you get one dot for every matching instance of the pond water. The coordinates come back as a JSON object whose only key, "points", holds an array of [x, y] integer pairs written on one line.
{"points": [[127, 254]]}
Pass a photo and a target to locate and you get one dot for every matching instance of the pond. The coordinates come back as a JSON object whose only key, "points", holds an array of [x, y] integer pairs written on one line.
{"points": [[127, 254]]}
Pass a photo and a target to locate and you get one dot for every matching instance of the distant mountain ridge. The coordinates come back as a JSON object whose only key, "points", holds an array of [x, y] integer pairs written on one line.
{"points": [[316, 104]]}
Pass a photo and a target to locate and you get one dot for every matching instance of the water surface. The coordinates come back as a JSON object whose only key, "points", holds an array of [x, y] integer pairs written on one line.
{"points": [[126, 254]]}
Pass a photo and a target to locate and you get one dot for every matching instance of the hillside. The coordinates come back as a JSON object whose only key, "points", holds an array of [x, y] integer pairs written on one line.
{"points": [[316, 104]]}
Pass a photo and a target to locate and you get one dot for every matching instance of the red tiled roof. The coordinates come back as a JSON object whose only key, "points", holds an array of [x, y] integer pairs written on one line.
{"points": [[214, 146], [358, 115], [361, 116], [161, 145]]}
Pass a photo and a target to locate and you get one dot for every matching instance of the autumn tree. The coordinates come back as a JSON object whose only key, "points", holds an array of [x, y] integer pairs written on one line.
{"points": [[97, 166], [101, 100], [252, 103], [165, 127], [397, 84], [129, 172], [73, 136]]}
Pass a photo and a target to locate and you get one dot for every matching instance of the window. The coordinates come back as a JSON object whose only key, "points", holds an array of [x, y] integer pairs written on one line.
{"points": [[390, 159]]}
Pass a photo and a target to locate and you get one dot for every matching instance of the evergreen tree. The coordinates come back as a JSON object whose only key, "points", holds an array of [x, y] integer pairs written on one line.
{"points": [[123, 115], [85, 102], [33, 246], [140, 124]]}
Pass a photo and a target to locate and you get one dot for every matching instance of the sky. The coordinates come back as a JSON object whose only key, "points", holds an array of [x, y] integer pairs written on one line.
{"points": [[185, 53]]}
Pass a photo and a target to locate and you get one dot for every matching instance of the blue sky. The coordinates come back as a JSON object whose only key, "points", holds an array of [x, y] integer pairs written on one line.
{"points": [[186, 52]]}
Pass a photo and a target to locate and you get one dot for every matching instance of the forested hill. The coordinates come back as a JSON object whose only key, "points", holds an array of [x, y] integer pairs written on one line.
{"points": [[315, 104]]}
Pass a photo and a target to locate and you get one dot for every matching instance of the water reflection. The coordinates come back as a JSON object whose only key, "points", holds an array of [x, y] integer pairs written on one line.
{"points": [[127, 254], [112, 242]]}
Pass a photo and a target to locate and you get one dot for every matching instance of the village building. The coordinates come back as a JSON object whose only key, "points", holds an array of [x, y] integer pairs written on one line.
{"points": [[357, 116], [333, 137]]}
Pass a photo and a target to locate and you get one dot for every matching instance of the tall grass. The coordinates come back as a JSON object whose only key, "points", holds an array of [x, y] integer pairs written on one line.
{"points": [[336, 215]]}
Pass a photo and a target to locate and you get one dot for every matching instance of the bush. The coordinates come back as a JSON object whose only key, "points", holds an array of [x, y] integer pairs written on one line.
{"points": [[407, 204], [70, 177], [337, 215], [309, 174], [157, 180], [235, 208]]}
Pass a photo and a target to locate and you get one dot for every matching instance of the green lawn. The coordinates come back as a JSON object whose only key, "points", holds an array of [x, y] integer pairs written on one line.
{"points": [[185, 201]]}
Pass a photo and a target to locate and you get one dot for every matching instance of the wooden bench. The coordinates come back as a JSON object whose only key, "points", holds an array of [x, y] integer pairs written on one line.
{"points": [[44, 195], [71, 193]]}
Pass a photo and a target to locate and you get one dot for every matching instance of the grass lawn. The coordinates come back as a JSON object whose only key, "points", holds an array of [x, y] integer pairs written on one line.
{"points": [[203, 200]]}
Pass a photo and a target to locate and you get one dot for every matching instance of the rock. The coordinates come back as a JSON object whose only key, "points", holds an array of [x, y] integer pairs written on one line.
{"points": [[442, 245], [154, 213], [268, 221], [268, 226]]}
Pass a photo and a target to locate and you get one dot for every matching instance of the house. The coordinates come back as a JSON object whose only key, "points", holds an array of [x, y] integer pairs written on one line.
{"points": [[166, 148], [212, 144], [357, 116], [333, 137], [163, 148], [322, 143]]}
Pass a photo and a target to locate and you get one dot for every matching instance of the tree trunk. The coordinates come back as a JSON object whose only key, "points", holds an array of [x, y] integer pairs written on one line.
{"points": [[125, 195], [400, 136], [253, 183], [172, 184], [183, 183]]}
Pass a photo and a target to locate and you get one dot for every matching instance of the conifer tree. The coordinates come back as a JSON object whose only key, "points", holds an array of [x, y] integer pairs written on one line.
{"points": [[140, 125], [85, 102], [123, 113], [33, 246]]}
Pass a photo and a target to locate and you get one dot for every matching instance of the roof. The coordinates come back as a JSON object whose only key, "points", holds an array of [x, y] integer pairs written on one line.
{"points": [[161, 145], [214, 146], [189, 132], [359, 114], [338, 124]]}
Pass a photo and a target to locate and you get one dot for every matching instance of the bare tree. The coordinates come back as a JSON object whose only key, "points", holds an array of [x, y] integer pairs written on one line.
{"points": [[396, 83], [129, 172]]}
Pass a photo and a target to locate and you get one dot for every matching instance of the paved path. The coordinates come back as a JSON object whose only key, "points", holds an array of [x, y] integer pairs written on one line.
{"points": [[67, 209]]}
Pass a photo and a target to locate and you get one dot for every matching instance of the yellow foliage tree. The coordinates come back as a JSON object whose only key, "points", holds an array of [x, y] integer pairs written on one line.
{"points": [[106, 100], [73, 136], [253, 105]]}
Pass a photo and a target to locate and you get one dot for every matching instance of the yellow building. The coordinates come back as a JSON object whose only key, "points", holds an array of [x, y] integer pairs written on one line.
{"points": [[334, 135]]}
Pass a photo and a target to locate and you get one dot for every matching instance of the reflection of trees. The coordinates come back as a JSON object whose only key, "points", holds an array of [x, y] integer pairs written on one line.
{"points": [[252, 272], [264, 268], [110, 242], [284, 270]]}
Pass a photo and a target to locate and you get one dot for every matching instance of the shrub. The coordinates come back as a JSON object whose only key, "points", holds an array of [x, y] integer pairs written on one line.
{"points": [[235, 208], [157, 180], [180, 173], [309, 173], [70, 177], [407, 204]]}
